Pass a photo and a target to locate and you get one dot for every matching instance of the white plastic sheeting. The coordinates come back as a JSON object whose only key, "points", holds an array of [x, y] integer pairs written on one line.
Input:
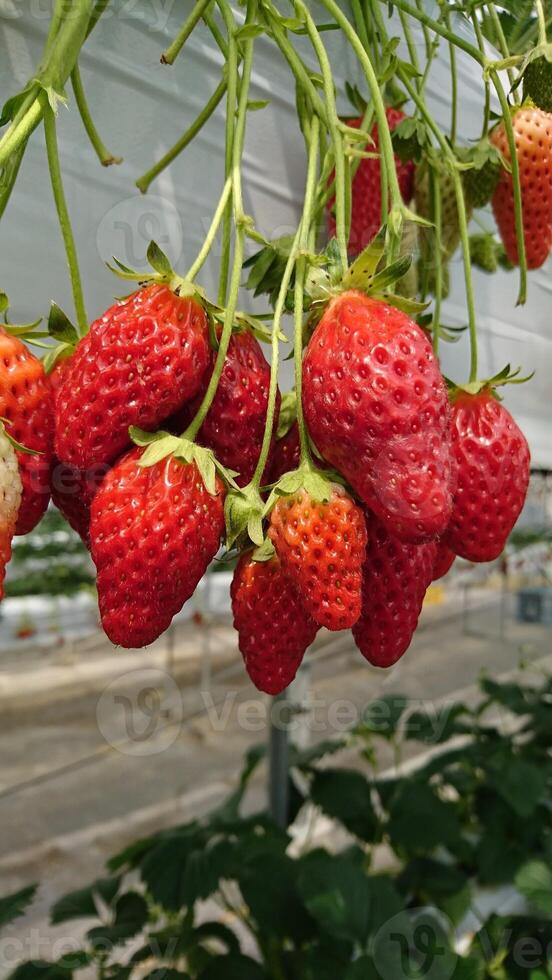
{"points": [[141, 107]]}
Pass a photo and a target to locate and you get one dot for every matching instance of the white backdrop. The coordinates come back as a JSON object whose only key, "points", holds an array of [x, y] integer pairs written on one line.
{"points": [[141, 108]]}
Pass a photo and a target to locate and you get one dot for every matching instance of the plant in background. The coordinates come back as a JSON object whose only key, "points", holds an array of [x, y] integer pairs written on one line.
{"points": [[232, 895]]}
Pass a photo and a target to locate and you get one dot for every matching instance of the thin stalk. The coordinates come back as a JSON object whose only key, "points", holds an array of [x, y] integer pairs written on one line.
{"points": [[336, 138], [386, 146], [146, 179], [360, 24], [412, 53], [462, 219], [216, 32], [240, 220], [298, 68], [437, 221], [63, 215], [437, 28], [170, 55], [104, 156], [481, 45], [453, 84], [231, 98], [212, 233], [427, 36], [542, 21], [300, 273], [503, 45]]}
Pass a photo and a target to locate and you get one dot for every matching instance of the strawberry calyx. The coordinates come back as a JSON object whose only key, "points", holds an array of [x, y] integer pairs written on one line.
{"points": [[243, 512], [62, 330], [23, 331], [163, 273], [306, 477], [505, 377], [158, 445]]}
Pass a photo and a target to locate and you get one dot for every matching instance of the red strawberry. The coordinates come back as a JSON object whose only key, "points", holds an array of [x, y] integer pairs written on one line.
{"points": [[72, 493], [273, 626], [10, 501], [322, 546], [377, 409], [234, 426], [285, 455], [153, 532], [493, 459], [26, 402], [533, 136], [366, 189], [139, 362], [395, 579], [444, 560]]}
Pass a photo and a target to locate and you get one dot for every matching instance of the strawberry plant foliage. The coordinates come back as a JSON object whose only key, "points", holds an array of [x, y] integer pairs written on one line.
{"points": [[451, 823]]}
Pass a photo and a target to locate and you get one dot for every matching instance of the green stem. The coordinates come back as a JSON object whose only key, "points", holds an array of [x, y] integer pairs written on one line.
{"points": [[104, 156], [453, 84], [216, 32], [413, 54], [231, 99], [437, 221], [146, 179], [516, 185], [385, 143], [294, 61], [360, 24], [337, 142], [438, 28], [240, 221], [300, 273], [63, 215], [542, 21], [59, 58], [212, 233], [502, 44], [481, 46], [170, 55], [462, 219]]}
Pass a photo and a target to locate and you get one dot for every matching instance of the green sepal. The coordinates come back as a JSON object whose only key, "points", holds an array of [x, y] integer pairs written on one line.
{"points": [[158, 260], [60, 326], [253, 105], [13, 442], [163, 273], [4, 302], [505, 377], [307, 477], [265, 551], [159, 445], [55, 354], [243, 512], [25, 330]]}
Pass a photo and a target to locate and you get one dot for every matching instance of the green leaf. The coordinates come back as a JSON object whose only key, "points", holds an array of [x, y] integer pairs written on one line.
{"points": [[41, 970], [248, 32], [60, 326], [420, 820], [268, 886], [158, 260], [14, 905], [534, 880], [81, 904], [362, 969], [163, 866], [522, 784], [253, 105], [414, 943], [346, 796], [382, 717], [288, 413], [131, 915]]}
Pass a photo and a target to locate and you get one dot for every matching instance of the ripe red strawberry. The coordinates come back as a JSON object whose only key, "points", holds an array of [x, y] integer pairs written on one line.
{"points": [[377, 409], [72, 493], [285, 455], [234, 425], [10, 501], [493, 460], [273, 626], [153, 532], [444, 560], [395, 579], [139, 363], [26, 402], [366, 190], [533, 136], [321, 546]]}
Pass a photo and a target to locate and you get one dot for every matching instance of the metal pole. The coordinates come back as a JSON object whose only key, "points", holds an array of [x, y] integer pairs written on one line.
{"points": [[278, 760]]}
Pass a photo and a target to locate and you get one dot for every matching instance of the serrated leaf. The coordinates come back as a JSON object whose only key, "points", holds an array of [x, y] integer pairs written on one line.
{"points": [[158, 260], [60, 326], [14, 905]]}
